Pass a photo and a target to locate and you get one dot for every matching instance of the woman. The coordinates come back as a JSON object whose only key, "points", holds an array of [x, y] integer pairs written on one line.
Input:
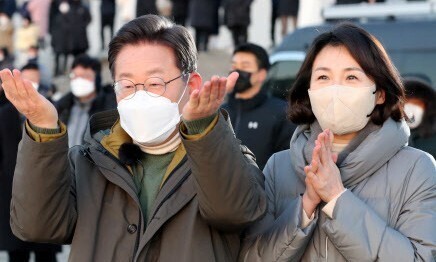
{"points": [[355, 191], [421, 108]]}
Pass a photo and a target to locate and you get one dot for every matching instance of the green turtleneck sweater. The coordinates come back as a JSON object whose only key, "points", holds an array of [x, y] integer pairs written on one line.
{"points": [[149, 173]]}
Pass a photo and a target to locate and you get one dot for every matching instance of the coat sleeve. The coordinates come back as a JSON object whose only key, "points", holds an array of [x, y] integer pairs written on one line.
{"points": [[229, 185], [360, 234], [278, 236], [43, 206]]}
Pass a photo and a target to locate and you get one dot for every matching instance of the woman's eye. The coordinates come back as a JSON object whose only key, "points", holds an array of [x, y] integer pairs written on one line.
{"points": [[351, 77], [322, 77]]}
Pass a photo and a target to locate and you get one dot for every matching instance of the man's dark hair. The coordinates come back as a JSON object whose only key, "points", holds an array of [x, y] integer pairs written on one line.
{"points": [[159, 30], [86, 61], [30, 66], [259, 52], [372, 58], [418, 89]]}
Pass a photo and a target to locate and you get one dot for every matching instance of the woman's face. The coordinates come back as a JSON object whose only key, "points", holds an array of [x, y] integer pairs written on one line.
{"points": [[334, 65]]}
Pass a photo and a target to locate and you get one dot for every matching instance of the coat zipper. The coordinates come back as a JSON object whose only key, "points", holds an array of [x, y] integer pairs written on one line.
{"points": [[238, 119], [326, 249]]}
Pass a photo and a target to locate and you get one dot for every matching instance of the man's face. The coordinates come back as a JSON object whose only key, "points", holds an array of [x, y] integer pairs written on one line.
{"points": [[247, 62], [139, 62], [82, 72], [32, 75]]}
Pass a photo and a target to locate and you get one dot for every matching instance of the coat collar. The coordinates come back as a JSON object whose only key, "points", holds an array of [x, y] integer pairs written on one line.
{"points": [[367, 152]]}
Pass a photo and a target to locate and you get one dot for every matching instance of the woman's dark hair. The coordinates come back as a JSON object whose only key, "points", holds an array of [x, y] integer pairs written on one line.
{"points": [[156, 29], [416, 88], [370, 55]]}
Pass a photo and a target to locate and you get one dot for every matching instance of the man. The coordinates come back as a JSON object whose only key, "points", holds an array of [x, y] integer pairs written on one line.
{"points": [[85, 98], [144, 186], [31, 72], [258, 119], [237, 19]]}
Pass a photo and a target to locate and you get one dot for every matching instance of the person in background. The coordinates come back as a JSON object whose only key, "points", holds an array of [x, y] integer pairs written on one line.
{"points": [[86, 97], [8, 7], [237, 19], [288, 9], [10, 136], [180, 11], [69, 20], [420, 107], [348, 188], [258, 118], [203, 15], [6, 60], [107, 11], [274, 16], [6, 32], [39, 11], [163, 178], [26, 37], [31, 72]]}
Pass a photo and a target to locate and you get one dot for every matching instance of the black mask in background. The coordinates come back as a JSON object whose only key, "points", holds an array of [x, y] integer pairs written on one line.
{"points": [[243, 83]]}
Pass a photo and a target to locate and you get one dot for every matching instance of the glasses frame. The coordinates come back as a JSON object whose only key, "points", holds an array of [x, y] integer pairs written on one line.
{"points": [[145, 88]]}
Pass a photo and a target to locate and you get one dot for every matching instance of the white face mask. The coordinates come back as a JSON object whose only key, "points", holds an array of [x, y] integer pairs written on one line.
{"points": [[343, 109], [81, 87], [64, 7], [35, 85], [149, 120], [415, 113]]}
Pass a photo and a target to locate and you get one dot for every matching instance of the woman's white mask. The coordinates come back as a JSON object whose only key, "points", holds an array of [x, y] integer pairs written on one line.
{"points": [[343, 109]]}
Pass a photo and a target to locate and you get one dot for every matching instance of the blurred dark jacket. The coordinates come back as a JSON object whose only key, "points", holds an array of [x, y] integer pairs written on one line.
{"points": [[204, 14], [68, 30], [8, 6], [145, 7], [237, 12], [261, 124], [10, 136]]}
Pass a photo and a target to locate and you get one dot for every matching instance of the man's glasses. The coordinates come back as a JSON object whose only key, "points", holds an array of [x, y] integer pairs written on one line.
{"points": [[154, 86]]}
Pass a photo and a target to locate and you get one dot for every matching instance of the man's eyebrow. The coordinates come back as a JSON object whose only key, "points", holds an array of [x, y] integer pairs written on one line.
{"points": [[149, 73]]}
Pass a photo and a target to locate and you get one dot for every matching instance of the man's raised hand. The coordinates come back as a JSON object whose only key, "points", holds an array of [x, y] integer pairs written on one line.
{"points": [[35, 107]]}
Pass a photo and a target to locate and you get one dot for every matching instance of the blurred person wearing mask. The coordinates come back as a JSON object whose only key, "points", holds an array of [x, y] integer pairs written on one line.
{"points": [[258, 118], [420, 107], [6, 32], [31, 72], [161, 179], [348, 188], [86, 97], [10, 136]]}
